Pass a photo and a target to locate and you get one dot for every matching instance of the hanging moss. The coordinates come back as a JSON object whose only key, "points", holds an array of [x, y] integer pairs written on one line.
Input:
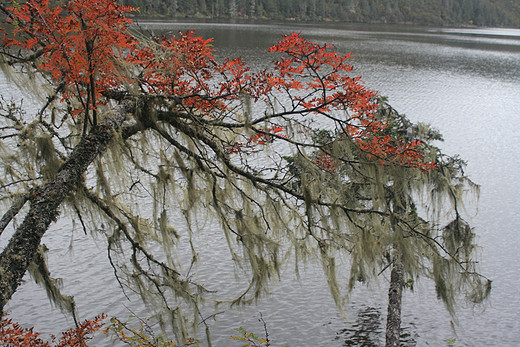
{"points": [[41, 275], [174, 172]]}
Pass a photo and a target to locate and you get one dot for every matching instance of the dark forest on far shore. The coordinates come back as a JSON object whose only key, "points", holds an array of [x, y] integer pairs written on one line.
{"points": [[495, 13]]}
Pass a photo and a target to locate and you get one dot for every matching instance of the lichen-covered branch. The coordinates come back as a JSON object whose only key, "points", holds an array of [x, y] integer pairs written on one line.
{"points": [[45, 201]]}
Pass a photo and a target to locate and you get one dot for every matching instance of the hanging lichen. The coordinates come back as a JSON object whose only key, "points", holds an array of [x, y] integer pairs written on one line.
{"points": [[299, 163]]}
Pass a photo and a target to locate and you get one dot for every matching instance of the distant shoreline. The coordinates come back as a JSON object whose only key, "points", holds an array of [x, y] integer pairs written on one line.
{"points": [[244, 20], [263, 21]]}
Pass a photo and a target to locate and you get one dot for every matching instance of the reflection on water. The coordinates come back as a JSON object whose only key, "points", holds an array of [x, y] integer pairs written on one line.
{"points": [[481, 31], [366, 331], [369, 330]]}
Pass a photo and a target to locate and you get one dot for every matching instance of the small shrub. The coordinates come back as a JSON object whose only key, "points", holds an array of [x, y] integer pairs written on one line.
{"points": [[13, 334]]}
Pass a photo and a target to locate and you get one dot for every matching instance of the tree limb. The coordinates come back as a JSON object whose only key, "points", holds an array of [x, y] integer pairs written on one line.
{"points": [[45, 201], [13, 211]]}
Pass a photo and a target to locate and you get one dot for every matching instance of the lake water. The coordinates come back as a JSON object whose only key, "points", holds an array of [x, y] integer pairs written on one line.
{"points": [[466, 83]]}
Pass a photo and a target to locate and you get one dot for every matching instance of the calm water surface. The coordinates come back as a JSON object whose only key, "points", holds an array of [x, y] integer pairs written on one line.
{"points": [[466, 83]]}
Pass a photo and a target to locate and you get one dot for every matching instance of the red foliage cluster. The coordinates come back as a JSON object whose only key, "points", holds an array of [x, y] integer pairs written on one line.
{"points": [[177, 66], [14, 335], [326, 162], [79, 43], [85, 47], [331, 88], [388, 151], [329, 84]]}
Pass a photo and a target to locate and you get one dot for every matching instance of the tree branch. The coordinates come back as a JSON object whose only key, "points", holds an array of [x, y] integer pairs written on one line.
{"points": [[13, 211], [46, 200]]}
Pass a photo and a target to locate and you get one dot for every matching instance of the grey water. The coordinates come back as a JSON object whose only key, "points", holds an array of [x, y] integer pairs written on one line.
{"points": [[466, 83]]}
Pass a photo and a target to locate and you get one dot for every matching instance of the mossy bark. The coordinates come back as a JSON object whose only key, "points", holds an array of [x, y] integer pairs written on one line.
{"points": [[395, 294], [45, 201]]}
